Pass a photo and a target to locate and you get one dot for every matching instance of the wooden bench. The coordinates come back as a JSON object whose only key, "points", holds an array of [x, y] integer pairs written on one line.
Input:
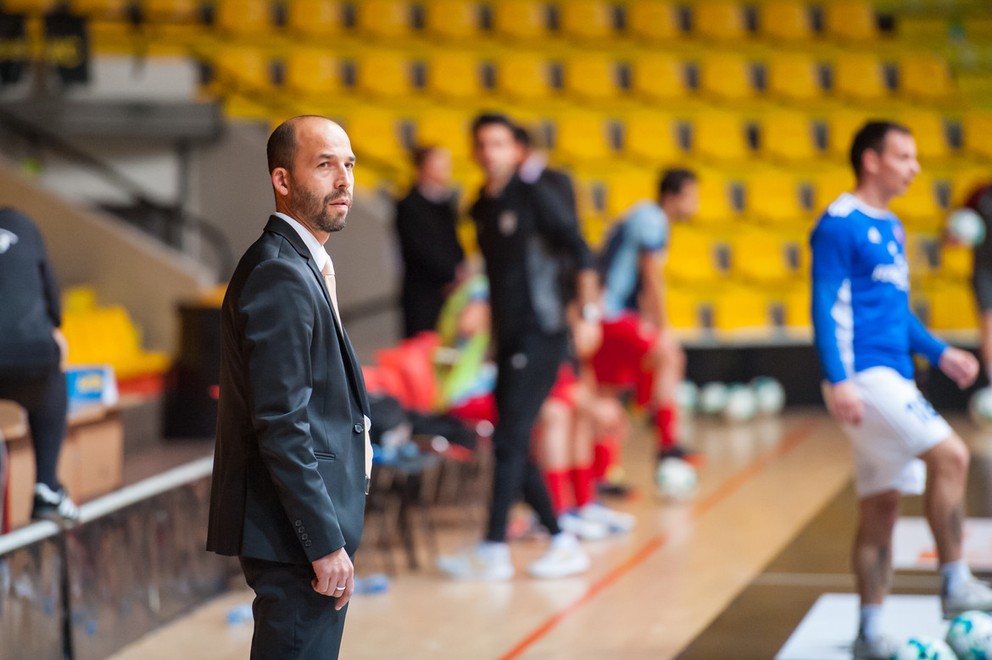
{"points": [[91, 462]]}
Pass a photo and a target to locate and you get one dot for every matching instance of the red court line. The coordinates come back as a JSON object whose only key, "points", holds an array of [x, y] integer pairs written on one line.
{"points": [[658, 541]]}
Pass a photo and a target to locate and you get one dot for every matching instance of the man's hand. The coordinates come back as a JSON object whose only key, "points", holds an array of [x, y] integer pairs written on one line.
{"points": [[844, 402], [333, 571], [63, 347], [587, 337], [960, 366]]}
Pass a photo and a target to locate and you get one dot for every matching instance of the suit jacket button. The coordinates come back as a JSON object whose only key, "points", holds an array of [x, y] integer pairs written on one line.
{"points": [[307, 544], [359, 428], [299, 523], [304, 537]]}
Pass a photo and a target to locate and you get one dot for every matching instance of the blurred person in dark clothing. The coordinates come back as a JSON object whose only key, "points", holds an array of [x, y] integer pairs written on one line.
{"points": [[32, 353], [534, 169], [425, 225]]}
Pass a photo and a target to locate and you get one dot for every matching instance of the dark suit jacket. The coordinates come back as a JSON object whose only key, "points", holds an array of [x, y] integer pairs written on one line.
{"points": [[289, 469]]}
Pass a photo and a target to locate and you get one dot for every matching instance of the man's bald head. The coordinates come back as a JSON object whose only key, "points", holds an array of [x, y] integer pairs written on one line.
{"points": [[282, 144]]}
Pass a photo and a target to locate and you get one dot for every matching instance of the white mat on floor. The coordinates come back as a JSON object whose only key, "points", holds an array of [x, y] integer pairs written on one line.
{"points": [[829, 627], [913, 547]]}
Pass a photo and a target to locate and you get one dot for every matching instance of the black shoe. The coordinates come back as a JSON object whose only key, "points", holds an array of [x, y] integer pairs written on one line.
{"points": [[610, 489], [53, 505], [693, 458]]}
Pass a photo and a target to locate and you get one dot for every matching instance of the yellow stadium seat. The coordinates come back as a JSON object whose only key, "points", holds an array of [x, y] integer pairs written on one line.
{"points": [[457, 76], [457, 20], [241, 69], [377, 135], [100, 9], [588, 19], [965, 180], [930, 133], [957, 262], [651, 138], [859, 77], [655, 21], [694, 257], [582, 137], [384, 19], [788, 137], [977, 133], [659, 77], [171, 11], [841, 128], [592, 76], [524, 76], [384, 74], [720, 136], [920, 253], [717, 205], [798, 302], [919, 209], [315, 18], [29, 6], [828, 185], [683, 307], [445, 128], [850, 20], [794, 78], [523, 20], [720, 20], [925, 77], [950, 306], [785, 20], [727, 77], [775, 197], [243, 17], [313, 72], [765, 258], [740, 307], [622, 187]]}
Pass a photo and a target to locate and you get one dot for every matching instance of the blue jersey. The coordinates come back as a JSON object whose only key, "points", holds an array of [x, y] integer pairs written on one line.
{"points": [[861, 313], [644, 230]]}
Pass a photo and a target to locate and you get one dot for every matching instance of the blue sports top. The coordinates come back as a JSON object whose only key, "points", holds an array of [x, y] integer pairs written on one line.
{"points": [[644, 229], [861, 313]]}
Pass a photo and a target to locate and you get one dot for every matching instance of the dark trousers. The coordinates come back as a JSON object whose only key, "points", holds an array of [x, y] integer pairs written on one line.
{"points": [[422, 305], [292, 621], [527, 371], [43, 394]]}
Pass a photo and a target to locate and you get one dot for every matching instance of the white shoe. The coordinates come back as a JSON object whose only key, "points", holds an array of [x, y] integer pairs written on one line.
{"points": [[617, 522], [54, 505], [879, 648], [565, 557], [486, 561], [588, 530], [970, 595]]}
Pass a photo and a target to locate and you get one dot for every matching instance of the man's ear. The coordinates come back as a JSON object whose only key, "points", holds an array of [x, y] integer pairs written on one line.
{"points": [[280, 181], [869, 161]]}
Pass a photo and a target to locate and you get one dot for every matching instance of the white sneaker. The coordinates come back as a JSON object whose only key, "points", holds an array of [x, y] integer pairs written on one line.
{"points": [[970, 595], [565, 557], [617, 522], [54, 505], [587, 530], [879, 648], [486, 561]]}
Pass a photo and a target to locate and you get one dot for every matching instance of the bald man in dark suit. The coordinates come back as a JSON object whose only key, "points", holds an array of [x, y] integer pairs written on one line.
{"points": [[293, 459]]}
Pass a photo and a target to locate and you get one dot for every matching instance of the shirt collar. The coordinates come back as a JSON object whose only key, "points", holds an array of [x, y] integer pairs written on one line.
{"points": [[317, 250]]}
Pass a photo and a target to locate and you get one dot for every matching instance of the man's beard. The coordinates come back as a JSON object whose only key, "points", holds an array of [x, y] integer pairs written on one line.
{"points": [[316, 210]]}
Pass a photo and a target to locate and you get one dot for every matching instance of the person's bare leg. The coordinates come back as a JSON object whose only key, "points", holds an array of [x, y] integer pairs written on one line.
{"points": [[947, 473], [871, 559]]}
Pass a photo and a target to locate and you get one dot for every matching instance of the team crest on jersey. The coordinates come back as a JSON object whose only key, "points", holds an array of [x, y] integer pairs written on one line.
{"points": [[507, 222], [874, 236], [7, 238]]}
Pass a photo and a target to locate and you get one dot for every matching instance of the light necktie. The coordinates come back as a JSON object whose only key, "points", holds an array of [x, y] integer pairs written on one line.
{"points": [[332, 288]]}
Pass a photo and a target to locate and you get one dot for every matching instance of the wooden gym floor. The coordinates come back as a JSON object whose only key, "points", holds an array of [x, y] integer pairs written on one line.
{"points": [[728, 574]]}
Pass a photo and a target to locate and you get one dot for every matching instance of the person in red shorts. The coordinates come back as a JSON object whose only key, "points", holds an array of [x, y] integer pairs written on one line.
{"points": [[638, 352]]}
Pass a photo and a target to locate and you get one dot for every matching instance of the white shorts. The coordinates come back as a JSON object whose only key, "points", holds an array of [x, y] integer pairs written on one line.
{"points": [[898, 425]]}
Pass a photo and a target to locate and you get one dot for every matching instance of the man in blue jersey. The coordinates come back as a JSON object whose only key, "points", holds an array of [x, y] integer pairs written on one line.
{"points": [[866, 334], [637, 349]]}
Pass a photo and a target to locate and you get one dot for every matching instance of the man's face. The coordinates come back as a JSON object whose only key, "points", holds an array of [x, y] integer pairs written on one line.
{"points": [[436, 168], [685, 203], [322, 179], [896, 167], [496, 152]]}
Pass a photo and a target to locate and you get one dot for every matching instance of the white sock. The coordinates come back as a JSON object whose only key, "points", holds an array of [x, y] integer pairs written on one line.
{"points": [[871, 621], [955, 573]]}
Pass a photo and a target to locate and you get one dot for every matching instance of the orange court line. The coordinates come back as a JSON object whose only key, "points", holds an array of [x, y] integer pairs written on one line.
{"points": [[658, 541]]}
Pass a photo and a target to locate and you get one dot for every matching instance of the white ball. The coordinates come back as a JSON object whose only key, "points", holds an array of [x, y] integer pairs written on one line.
{"points": [[966, 227], [687, 396], [712, 398], [925, 648], [676, 479], [768, 394], [970, 636], [741, 404], [980, 406]]}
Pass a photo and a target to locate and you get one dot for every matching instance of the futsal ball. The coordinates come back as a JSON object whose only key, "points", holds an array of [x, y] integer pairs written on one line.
{"points": [[970, 636], [741, 404], [966, 227], [712, 398], [687, 396], [769, 395], [925, 648], [676, 479], [980, 406]]}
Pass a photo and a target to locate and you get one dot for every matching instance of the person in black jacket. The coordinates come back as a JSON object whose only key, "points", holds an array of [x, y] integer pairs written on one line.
{"points": [[425, 226], [32, 351], [519, 227]]}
